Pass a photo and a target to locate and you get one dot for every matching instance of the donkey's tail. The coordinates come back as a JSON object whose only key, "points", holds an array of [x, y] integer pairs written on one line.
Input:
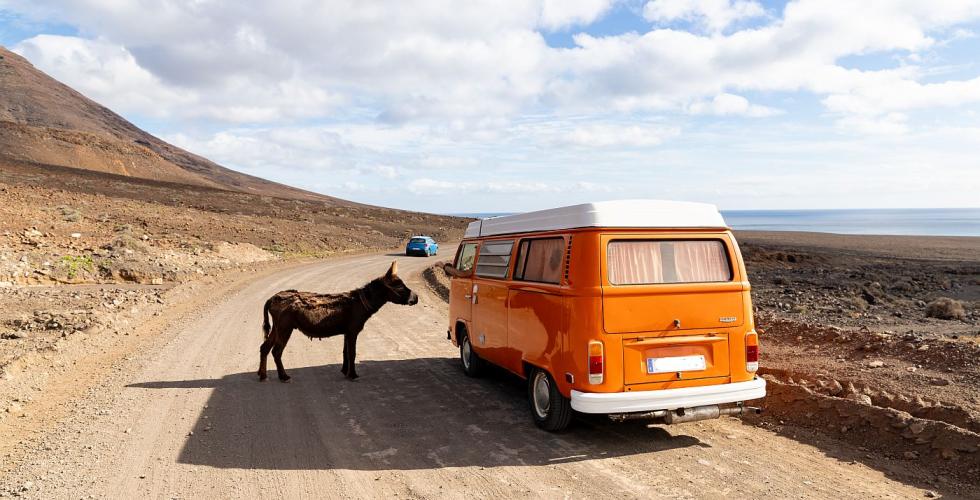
{"points": [[266, 327]]}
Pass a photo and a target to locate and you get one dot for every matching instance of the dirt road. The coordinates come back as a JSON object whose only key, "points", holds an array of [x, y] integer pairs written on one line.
{"points": [[185, 417]]}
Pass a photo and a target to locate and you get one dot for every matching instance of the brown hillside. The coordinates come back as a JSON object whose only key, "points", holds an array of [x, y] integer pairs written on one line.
{"points": [[47, 122]]}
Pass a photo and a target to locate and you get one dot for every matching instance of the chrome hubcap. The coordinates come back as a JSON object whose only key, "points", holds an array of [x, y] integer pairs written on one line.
{"points": [[466, 353], [541, 394]]}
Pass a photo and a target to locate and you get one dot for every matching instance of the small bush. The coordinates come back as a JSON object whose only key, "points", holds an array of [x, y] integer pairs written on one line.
{"points": [[854, 303], [69, 214], [946, 308], [73, 264]]}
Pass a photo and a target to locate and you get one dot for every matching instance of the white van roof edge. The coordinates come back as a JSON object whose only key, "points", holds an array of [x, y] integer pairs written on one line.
{"points": [[619, 213]]}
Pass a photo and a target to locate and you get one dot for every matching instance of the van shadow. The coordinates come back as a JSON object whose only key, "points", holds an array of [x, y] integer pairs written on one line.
{"points": [[403, 414]]}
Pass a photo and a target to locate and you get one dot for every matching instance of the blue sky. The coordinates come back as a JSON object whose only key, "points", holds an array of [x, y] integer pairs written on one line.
{"points": [[500, 106]]}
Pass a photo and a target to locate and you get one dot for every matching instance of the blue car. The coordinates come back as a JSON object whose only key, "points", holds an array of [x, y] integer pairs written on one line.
{"points": [[421, 245]]}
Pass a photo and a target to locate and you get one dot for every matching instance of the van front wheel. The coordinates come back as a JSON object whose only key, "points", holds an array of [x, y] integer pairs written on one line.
{"points": [[551, 411]]}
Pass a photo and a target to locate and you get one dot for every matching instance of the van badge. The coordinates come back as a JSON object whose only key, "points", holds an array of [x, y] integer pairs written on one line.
{"points": [[727, 319]]}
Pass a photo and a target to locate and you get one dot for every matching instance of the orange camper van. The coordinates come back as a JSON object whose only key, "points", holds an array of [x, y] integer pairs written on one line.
{"points": [[632, 309]]}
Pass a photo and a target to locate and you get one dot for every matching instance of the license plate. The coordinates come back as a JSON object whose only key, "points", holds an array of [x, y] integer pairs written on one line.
{"points": [[676, 364]]}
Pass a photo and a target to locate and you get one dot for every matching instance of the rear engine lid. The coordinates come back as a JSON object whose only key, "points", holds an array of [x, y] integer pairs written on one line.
{"points": [[671, 308]]}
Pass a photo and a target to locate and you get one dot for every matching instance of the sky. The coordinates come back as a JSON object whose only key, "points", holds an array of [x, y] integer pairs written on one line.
{"points": [[504, 106]]}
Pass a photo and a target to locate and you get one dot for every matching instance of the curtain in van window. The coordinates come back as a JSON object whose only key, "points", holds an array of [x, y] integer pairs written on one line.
{"points": [[699, 261], [634, 262], [543, 260]]}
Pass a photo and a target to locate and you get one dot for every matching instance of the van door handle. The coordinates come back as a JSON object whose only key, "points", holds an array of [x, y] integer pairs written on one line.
{"points": [[467, 296]]}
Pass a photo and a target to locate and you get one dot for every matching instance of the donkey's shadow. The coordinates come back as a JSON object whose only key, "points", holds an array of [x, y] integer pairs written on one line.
{"points": [[402, 414]]}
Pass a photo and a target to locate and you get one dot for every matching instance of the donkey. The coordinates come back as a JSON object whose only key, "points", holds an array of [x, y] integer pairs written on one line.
{"points": [[326, 315]]}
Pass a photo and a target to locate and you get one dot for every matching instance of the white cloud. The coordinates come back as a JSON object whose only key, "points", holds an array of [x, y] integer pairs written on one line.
{"points": [[716, 15], [556, 14], [889, 124], [105, 72], [731, 104], [109, 74], [601, 135]]}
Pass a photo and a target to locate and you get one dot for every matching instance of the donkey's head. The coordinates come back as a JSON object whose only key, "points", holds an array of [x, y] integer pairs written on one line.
{"points": [[395, 288]]}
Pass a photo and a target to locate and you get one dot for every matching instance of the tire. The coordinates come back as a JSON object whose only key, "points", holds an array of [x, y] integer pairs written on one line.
{"points": [[472, 365], [550, 410]]}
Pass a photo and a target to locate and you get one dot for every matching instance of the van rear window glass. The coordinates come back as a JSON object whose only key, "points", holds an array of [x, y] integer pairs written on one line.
{"points": [[494, 259], [641, 262], [540, 260]]}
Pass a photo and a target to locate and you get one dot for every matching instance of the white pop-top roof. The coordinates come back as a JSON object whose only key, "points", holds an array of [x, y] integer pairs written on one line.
{"points": [[620, 213]]}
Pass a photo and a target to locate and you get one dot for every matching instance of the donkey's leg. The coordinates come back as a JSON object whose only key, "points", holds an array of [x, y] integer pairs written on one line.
{"points": [[264, 355], [277, 353], [343, 369], [350, 354]]}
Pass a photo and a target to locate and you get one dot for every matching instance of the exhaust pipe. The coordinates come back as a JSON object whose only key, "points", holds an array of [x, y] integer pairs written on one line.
{"points": [[647, 415], [684, 415]]}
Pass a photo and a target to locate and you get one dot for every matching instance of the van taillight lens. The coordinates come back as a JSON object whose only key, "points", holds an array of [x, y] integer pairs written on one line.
{"points": [[751, 352], [596, 360]]}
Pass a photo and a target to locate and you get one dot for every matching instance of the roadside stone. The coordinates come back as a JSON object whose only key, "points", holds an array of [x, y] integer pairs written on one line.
{"points": [[876, 364]]}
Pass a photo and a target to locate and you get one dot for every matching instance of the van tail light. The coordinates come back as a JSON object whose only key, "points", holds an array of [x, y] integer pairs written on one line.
{"points": [[596, 362], [751, 352]]}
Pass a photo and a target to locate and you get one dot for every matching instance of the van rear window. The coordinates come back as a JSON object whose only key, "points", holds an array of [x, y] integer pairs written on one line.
{"points": [[540, 260], [642, 262]]}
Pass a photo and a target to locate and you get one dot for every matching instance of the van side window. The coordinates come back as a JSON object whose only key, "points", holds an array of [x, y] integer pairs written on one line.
{"points": [[464, 261], [539, 260], [494, 259], [643, 262]]}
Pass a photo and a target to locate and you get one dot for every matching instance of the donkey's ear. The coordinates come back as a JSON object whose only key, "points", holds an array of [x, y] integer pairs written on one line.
{"points": [[393, 270]]}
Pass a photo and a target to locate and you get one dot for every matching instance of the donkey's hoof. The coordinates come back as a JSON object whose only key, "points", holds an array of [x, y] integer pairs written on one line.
{"points": [[352, 376], [262, 377], [285, 379]]}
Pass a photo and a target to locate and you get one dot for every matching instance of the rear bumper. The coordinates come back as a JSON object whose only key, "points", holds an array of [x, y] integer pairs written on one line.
{"points": [[667, 399]]}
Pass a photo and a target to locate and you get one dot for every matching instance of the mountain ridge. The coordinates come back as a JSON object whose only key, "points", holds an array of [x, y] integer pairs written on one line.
{"points": [[43, 120]]}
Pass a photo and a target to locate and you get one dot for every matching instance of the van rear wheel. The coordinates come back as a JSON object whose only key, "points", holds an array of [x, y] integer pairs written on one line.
{"points": [[551, 411], [472, 364]]}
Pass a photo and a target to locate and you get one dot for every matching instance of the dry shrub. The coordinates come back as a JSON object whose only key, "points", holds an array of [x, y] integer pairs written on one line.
{"points": [[69, 214], [946, 308], [854, 303]]}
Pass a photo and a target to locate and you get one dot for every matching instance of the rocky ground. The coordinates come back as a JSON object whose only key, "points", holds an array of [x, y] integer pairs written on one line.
{"points": [[872, 341]]}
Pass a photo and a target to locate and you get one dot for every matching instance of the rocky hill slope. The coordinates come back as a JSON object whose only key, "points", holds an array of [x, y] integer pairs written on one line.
{"points": [[43, 120]]}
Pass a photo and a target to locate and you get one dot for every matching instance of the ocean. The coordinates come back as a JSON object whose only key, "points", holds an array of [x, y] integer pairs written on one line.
{"points": [[891, 221]]}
